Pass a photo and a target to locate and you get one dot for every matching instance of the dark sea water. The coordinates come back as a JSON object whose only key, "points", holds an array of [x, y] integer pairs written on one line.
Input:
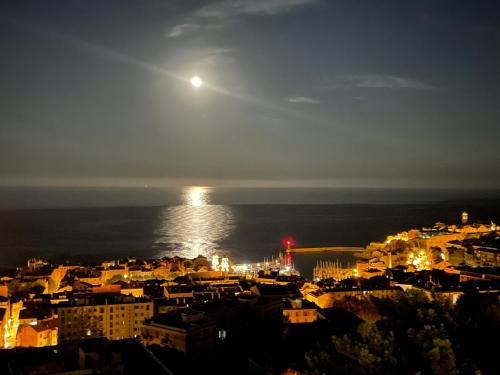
{"points": [[249, 224]]}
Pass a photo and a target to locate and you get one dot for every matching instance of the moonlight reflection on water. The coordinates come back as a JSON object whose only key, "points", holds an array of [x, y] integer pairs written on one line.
{"points": [[194, 228]]}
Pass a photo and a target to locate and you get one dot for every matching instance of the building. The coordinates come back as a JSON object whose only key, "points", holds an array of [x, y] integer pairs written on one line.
{"points": [[4, 291], [438, 239], [91, 356], [279, 291], [36, 263], [486, 256], [368, 273], [478, 274], [465, 217], [9, 322], [102, 315], [188, 331], [299, 311], [188, 293], [133, 288], [326, 299], [37, 334]]}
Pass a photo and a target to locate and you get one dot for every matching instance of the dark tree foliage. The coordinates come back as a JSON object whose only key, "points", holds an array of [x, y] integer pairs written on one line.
{"points": [[478, 337], [418, 336]]}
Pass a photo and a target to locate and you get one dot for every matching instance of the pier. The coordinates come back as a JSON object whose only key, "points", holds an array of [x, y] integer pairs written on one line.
{"points": [[334, 249]]}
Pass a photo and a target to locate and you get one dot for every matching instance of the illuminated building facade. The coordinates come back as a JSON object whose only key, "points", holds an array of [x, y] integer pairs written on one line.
{"points": [[9, 323], [113, 317], [327, 299], [299, 311], [38, 334]]}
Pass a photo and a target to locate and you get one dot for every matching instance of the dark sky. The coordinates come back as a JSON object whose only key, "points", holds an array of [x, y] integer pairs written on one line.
{"points": [[297, 92]]}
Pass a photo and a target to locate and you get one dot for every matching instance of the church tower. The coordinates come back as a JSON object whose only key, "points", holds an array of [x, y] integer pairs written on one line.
{"points": [[465, 218]]}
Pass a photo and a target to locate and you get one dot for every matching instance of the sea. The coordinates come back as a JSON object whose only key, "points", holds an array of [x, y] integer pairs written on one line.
{"points": [[87, 225]]}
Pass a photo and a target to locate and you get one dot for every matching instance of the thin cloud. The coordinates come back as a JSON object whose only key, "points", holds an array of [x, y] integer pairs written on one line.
{"points": [[375, 81], [181, 29], [217, 56], [213, 15], [229, 8], [303, 100]]}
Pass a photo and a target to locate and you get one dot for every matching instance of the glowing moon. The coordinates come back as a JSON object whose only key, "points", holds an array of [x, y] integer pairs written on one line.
{"points": [[196, 82]]}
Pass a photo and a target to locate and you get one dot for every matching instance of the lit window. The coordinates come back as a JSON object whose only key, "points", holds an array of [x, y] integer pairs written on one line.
{"points": [[222, 334]]}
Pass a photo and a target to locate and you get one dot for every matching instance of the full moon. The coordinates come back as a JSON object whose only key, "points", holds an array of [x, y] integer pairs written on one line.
{"points": [[196, 82]]}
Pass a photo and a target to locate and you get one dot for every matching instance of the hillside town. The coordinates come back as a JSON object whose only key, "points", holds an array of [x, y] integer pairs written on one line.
{"points": [[175, 315]]}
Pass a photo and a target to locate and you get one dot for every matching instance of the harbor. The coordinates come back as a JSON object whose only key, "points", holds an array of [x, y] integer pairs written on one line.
{"points": [[334, 249]]}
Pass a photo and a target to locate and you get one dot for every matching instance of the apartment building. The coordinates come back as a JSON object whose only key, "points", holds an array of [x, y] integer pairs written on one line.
{"points": [[112, 316]]}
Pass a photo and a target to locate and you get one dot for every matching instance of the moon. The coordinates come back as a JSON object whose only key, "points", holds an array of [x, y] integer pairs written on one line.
{"points": [[196, 82]]}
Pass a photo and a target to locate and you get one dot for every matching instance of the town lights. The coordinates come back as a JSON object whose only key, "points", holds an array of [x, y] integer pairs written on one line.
{"points": [[220, 264], [215, 262], [224, 265], [419, 261]]}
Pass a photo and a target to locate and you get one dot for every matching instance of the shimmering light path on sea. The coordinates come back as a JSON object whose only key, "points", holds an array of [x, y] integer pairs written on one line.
{"points": [[196, 227]]}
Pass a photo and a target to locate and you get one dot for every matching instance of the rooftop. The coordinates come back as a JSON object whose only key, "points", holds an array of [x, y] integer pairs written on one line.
{"points": [[175, 319], [101, 299]]}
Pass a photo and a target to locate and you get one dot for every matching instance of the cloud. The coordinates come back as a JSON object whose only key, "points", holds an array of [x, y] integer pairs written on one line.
{"points": [[217, 56], [303, 100], [214, 15], [181, 29], [229, 8], [375, 81]]}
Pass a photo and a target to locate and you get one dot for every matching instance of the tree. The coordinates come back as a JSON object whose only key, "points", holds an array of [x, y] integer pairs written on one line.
{"points": [[415, 335], [434, 344], [373, 350]]}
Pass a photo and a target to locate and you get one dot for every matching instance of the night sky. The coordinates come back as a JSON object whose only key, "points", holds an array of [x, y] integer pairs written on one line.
{"points": [[297, 93]]}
